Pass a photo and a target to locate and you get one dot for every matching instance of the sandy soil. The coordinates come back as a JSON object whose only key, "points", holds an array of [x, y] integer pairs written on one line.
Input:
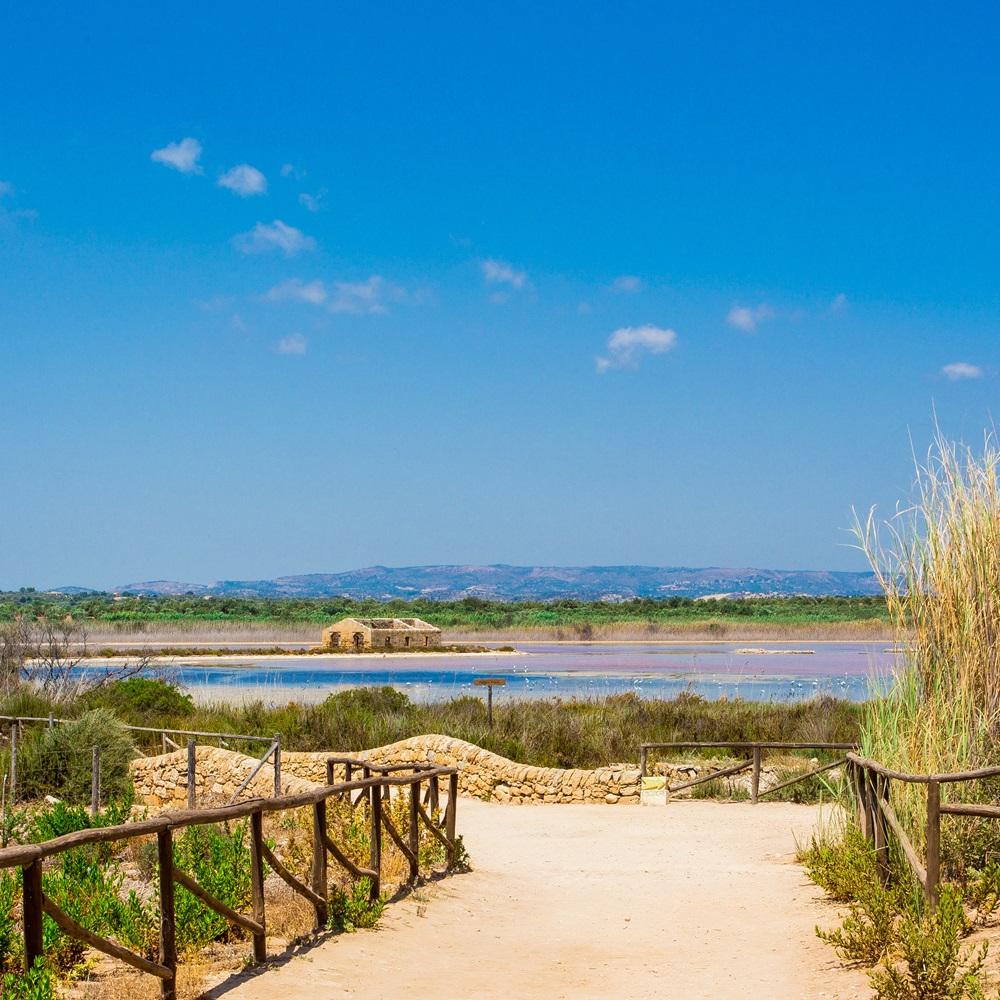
{"points": [[693, 900]]}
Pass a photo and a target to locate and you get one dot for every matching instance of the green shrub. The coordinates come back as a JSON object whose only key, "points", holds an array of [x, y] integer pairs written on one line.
{"points": [[841, 867], [868, 930], [847, 871], [932, 966], [36, 985], [218, 859], [9, 938], [142, 697], [58, 761], [352, 908], [89, 888]]}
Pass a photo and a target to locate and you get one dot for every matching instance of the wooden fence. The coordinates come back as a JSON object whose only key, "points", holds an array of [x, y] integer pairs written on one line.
{"points": [[374, 786], [872, 784], [165, 744], [754, 762]]}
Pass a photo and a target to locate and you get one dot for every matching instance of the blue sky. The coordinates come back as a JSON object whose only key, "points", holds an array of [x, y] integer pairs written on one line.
{"points": [[518, 283]]}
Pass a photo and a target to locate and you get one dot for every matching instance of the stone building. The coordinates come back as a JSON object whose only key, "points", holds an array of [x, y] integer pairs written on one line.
{"points": [[381, 633]]}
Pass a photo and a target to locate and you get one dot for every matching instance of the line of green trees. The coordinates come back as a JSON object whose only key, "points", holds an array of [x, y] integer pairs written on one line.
{"points": [[470, 612]]}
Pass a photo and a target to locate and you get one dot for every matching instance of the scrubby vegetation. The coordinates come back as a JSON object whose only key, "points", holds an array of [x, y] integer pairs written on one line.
{"points": [[555, 733], [939, 563], [578, 619]]}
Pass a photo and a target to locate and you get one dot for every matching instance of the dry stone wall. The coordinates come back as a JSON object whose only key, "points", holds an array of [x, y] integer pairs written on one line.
{"points": [[161, 782]]}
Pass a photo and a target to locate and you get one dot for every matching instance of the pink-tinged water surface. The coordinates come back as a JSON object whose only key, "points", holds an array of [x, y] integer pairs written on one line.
{"points": [[786, 671]]}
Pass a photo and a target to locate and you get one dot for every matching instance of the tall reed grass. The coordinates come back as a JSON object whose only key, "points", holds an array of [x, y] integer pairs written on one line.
{"points": [[938, 562]]}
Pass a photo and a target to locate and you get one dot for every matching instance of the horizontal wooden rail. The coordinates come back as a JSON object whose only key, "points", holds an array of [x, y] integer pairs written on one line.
{"points": [[802, 777], [923, 779], [757, 749], [17, 719], [723, 773], [70, 927], [233, 916], [31, 856]]}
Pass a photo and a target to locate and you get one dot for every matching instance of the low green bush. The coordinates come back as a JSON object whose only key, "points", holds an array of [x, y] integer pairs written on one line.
{"points": [[931, 965], [10, 940], [218, 859], [57, 761], [142, 697], [352, 908], [38, 984]]}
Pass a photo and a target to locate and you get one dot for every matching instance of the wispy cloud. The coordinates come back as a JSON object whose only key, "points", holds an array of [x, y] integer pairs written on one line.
{"points": [[959, 371], [312, 202], [499, 272], [182, 156], [627, 284], [266, 237], [360, 297], [6, 188], [290, 170], [748, 318], [297, 290], [294, 343], [838, 304], [244, 180], [627, 345]]}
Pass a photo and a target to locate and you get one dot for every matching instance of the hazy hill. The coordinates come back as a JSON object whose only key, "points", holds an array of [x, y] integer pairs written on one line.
{"points": [[536, 583]]}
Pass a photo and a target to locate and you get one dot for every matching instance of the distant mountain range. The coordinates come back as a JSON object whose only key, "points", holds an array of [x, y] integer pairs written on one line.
{"points": [[529, 583]]}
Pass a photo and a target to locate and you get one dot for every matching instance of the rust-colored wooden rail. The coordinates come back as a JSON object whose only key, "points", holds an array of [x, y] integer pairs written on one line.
{"points": [[374, 787], [756, 749]]}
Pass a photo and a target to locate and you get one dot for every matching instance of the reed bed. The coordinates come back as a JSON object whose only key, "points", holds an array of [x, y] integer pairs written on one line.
{"points": [[938, 562]]}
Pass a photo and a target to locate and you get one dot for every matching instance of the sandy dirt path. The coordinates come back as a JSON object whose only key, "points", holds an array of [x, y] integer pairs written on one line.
{"points": [[692, 900]]}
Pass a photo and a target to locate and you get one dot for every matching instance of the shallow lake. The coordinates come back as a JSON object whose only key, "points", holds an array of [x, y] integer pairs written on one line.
{"points": [[757, 671]]}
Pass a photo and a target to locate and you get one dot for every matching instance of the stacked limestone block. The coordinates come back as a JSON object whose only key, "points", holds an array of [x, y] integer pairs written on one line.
{"points": [[161, 782]]}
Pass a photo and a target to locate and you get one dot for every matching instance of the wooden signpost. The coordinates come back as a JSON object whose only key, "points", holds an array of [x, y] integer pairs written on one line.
{"points": [[489, 683]]}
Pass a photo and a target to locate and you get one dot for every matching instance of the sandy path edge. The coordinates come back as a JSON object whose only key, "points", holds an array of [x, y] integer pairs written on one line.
{"points": [[697, 899]]}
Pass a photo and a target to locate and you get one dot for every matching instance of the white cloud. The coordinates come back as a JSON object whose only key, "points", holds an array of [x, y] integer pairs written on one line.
{"points": [[958, 371], [244, 180], [627, 284], [265, 237], [359, 297], [839, 303], [311, 202], [294, 343], [627, 345], [290, 170], [748, 318], [499, 272], [297, 290], [6, 188], [182, 156]]}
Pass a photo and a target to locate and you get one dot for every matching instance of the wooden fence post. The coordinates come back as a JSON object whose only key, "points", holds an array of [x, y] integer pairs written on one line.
{"points": [[95, 781], [933, 843], [435, 793], [755, 779], [319, 863], [277, 765], [415, 829], [881, 793], [13, 763], [329, 772], [642, 762], [31, 913], [192, 764], [168, 932], [375, 864], [449, 816], [257, 882]]}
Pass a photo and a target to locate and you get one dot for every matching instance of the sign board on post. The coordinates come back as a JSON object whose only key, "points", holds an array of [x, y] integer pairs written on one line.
{"points": [[489, 683]]}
